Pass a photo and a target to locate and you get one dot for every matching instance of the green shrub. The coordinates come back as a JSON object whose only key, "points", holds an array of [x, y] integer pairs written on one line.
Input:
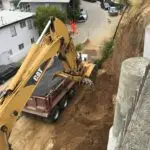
{"points": [[74, 10], [90, 1], [79, 47], [98, 62], [73, 14], [106, 50], [15, 3], [43, 15]]}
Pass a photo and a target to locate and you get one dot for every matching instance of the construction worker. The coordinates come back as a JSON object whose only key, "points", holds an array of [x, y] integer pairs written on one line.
{"points": [[73, 26]]}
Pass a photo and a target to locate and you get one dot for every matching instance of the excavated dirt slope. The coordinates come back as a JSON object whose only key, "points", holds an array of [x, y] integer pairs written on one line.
{"points": [[130, 39]]}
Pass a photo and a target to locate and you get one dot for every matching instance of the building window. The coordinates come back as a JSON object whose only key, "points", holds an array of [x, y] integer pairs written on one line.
{"points": [[1, 5], [27, 7], [32, 40], [13, 31], [21, 46], [10, 52], [30, 26], [22, 24]]}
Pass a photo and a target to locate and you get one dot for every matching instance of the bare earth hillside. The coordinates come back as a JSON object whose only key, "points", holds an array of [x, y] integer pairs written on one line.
{"points": [[130, 39]]}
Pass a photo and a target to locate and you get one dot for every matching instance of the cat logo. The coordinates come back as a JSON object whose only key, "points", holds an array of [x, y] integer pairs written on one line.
{"points": [[37, 75]]}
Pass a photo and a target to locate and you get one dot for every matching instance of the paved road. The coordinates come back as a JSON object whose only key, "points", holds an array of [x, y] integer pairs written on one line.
{"points": [[96, 26]]}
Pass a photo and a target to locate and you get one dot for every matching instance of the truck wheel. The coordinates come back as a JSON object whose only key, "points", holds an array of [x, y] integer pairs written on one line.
{"points": [[72, 92], [3, 81], [64, 103], [55, 114]]}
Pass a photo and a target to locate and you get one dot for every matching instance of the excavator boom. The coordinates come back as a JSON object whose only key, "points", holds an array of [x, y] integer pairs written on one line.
{"points": [[40, 56]]}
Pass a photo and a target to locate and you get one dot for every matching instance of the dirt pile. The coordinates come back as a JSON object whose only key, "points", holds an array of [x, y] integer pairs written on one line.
{"points": [[92, 118], [84, 125], [130, 39]]}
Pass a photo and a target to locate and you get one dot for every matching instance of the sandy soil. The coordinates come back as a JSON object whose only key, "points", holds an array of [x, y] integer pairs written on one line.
{"points": [[84, 125]]}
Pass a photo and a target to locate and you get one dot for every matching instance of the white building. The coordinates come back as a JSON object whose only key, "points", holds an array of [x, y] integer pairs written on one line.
{"points": [[6, 4], [31, 5], [17, 33]]}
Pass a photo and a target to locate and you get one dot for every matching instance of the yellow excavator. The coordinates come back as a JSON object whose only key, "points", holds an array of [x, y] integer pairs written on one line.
{"points": [[54, 40]]}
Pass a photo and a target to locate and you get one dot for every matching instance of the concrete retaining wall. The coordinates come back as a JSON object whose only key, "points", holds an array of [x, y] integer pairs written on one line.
{"points": [[146, 52], [131, 81], [137, 133]]}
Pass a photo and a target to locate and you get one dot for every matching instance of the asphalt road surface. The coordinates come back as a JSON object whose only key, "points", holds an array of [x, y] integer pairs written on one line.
{"points": [[97, 25]]}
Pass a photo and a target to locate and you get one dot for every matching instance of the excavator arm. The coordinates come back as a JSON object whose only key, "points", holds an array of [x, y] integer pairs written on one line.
{"points": [[56, 42]]}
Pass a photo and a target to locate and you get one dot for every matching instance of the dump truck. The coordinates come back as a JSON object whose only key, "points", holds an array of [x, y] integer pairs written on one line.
{"points": [[50, 94]]}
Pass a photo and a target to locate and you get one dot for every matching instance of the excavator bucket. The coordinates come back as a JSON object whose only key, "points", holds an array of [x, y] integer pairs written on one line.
{"points": [[91, 71], [90, 74], [87, 77]]}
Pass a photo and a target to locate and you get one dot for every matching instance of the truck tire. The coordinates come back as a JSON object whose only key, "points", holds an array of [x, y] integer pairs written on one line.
{"points": [[63, 103], [54, 114], [2, 82], [72, 93]]}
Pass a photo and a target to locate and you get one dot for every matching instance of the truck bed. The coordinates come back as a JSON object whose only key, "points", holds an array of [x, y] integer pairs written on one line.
{"points": [[47, 82], [49, 92]]}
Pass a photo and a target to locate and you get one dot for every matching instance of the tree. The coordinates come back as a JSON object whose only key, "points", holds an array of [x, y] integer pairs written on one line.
{"points": [[15, 2], [75, 4], [43, 14], [74, 9]]}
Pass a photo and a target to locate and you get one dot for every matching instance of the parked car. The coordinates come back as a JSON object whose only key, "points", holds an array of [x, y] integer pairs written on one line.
{"points": [[113, 11], [92, 1], [83, 16], [118, 6], [7, 71], [105, 5]]}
